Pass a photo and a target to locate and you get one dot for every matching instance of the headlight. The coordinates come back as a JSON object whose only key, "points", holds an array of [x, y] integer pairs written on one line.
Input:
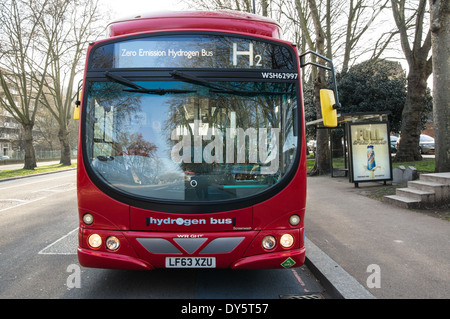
{"points": [[112, 243], [95, 240], [269, 242], [287, 240]]}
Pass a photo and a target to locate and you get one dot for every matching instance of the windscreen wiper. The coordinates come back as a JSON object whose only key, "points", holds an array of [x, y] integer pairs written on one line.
{"points": [[139, 89], [197, 80], [159, 91], [248, 93], [219, 88]]}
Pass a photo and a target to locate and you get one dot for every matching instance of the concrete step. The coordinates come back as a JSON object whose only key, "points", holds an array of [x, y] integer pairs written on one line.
{"points": [[441, 191], [420, 195], [400, 201], [441, 178], [431, 189]]}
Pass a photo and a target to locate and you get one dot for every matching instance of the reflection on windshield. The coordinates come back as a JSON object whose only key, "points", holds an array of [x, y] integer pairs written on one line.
{"points": [[193, 146]]}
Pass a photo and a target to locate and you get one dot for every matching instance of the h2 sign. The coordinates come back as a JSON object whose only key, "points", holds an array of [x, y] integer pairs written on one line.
{"points": [[249, 53]]}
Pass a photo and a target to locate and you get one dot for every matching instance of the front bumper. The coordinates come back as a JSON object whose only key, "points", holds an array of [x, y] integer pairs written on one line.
{"points": [[235, 250], [94, 259]]}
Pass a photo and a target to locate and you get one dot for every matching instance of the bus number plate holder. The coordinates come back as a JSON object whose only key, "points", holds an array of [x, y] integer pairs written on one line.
{"points": [[190, 262]]}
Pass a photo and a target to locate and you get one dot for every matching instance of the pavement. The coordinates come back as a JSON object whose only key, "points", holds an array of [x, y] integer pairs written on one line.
{"points": [[391, 252]]}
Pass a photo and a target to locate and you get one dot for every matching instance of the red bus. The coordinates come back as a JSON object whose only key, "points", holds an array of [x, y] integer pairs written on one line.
{"points": [[192, 145]]}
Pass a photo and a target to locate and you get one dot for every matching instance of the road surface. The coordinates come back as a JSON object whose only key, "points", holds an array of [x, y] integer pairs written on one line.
{"points": [[38, 227]]}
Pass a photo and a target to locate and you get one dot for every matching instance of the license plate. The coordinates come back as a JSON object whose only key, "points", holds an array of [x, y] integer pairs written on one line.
{"points": [[190, 262]]}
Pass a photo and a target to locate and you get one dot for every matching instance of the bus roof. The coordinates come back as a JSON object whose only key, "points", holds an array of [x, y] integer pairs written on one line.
{"points": [[222, 20]]}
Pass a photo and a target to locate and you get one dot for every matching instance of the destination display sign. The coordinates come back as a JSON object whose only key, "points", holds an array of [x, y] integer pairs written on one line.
{"points": [[193, 51]]}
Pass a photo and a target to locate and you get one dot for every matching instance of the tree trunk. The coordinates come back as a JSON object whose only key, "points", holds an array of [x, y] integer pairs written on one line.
{"points": [[322, 163], [440, 39], [265, 7], [408, 149], [63, 136], [420, 68], [30, 156]]}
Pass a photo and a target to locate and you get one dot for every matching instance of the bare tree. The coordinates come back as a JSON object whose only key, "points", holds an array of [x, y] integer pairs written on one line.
{"points": [[42, 46], [24, 63], [440, 39], [67, 47], [348, 27], [358, 23], [420, 68], [238, 5], [321, 165]]}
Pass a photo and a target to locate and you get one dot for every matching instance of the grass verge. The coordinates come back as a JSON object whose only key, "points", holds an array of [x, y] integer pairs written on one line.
{"points": [[424, 166], [37, 170]]}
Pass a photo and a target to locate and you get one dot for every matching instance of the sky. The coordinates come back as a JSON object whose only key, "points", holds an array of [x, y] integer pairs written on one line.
{"points": [[126, 8]]}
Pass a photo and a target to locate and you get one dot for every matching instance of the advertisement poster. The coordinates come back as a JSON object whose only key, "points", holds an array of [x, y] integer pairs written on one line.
{"points": [[370, 157]]}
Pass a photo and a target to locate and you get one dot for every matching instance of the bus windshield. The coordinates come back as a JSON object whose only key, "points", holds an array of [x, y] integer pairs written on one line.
{"points": [[181, 140]]}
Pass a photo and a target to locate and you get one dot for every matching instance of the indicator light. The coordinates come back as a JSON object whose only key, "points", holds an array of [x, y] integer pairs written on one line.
{"points": [[88, 219], [294, 220]]}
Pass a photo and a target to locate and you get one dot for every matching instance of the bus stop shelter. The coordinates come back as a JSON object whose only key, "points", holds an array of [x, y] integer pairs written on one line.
{"points": [[360, 147]]}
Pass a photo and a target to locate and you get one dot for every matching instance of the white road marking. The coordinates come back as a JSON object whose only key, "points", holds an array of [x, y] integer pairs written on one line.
{"points": [[65, 187], [55, 190], [61, 245], [21, 204]]}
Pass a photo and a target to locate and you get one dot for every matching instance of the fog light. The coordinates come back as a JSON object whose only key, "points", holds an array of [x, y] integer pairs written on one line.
{"points": [[88, 219], [95, 240], [112, 243], [287, 240], [269, 242], [294, 220]]}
